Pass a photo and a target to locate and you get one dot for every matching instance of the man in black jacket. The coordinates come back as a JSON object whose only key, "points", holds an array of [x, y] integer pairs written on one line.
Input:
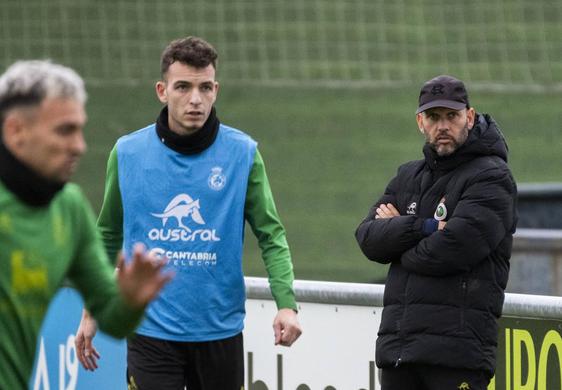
{"points": [[445, 224]]}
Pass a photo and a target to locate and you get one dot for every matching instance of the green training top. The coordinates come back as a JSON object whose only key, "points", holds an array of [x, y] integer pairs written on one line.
{"points": [[40, 247], [259, 211]]}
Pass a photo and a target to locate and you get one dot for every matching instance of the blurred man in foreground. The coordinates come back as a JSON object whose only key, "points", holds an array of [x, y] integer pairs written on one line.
{"points": [[445, 225], [47, 229]]}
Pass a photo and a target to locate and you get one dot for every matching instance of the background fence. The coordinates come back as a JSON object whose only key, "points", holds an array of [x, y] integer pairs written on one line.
{"points": [[335, 352], [503, 44]]}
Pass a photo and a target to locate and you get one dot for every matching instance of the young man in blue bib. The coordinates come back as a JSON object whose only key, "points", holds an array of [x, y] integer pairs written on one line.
{"points": [[184, 186]]}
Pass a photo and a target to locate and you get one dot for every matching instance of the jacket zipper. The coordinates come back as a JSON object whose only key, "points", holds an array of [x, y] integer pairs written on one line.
{"points": [[463, 308], [399, 324]]}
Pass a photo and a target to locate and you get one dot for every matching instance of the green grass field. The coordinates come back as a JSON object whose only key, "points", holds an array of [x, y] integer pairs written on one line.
{"points": [[329, 154]]}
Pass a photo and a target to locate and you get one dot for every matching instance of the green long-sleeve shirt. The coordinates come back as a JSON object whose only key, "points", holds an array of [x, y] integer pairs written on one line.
{"points": [[40, 247], [259, 211]]}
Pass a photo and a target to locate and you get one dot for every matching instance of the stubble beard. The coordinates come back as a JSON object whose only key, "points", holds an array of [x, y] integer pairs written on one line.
{"points": [[447, 150]]}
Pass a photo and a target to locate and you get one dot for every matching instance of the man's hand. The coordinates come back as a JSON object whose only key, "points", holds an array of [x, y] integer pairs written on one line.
{"points": [[139, 282], [386, 211], [141, 279], [85, 350], [286, 327]]}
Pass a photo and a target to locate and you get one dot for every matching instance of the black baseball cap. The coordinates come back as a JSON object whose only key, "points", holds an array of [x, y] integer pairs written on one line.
{"points": [[443, 91]]}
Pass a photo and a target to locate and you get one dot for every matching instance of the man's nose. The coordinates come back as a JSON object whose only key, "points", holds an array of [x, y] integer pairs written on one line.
{"points": [[443, 124], [195, 97], [79, 143]]}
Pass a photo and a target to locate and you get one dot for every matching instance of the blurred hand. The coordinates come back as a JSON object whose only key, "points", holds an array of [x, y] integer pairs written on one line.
{"points": [[387, 211], [286, 327], [141, 279], [85, 351]]}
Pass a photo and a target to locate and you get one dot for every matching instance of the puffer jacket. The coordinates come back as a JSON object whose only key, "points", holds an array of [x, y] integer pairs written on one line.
{"points": [[445, 288]]}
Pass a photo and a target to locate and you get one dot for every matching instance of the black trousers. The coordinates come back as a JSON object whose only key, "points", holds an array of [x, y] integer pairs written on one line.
{"points": [[155, 364], [430, 377]]}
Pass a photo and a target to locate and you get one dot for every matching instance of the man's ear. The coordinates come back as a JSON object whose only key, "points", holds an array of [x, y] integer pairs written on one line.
{"points": [[13, 129], [419, 120], [161, 92], [470, 117]]}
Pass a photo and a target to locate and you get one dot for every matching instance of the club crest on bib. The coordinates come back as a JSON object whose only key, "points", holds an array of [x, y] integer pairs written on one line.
{"points": [[217, 179], [441, 210]]}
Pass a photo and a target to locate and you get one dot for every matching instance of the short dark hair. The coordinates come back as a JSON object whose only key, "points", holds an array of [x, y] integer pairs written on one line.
{"points": [[191, 51]]}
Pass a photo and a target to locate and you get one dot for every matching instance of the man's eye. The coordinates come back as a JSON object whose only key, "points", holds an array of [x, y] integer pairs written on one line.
{"points": [[65, 130]]}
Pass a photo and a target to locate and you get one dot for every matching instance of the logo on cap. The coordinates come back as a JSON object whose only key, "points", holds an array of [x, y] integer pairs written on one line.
{"points": [[438, 89], [443, 91]]}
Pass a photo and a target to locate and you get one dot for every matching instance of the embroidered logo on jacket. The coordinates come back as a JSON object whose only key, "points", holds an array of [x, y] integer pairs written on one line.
{"points": [[411, 210], [441, 210]]}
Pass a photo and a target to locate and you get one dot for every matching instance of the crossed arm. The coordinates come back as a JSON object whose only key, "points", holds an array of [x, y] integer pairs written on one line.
{"points": [[388, 211], [481, 219]]}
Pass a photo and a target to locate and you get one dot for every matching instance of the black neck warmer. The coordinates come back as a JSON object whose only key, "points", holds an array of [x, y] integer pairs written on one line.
{"points": [[188, 144], [27, 185]]}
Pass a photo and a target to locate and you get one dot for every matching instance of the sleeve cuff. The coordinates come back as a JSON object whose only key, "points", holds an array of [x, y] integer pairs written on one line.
{"points": [[429, 226]]}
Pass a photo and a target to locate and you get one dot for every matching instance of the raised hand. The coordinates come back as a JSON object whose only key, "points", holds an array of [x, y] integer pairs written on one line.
{"points": [[141, 279]]}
